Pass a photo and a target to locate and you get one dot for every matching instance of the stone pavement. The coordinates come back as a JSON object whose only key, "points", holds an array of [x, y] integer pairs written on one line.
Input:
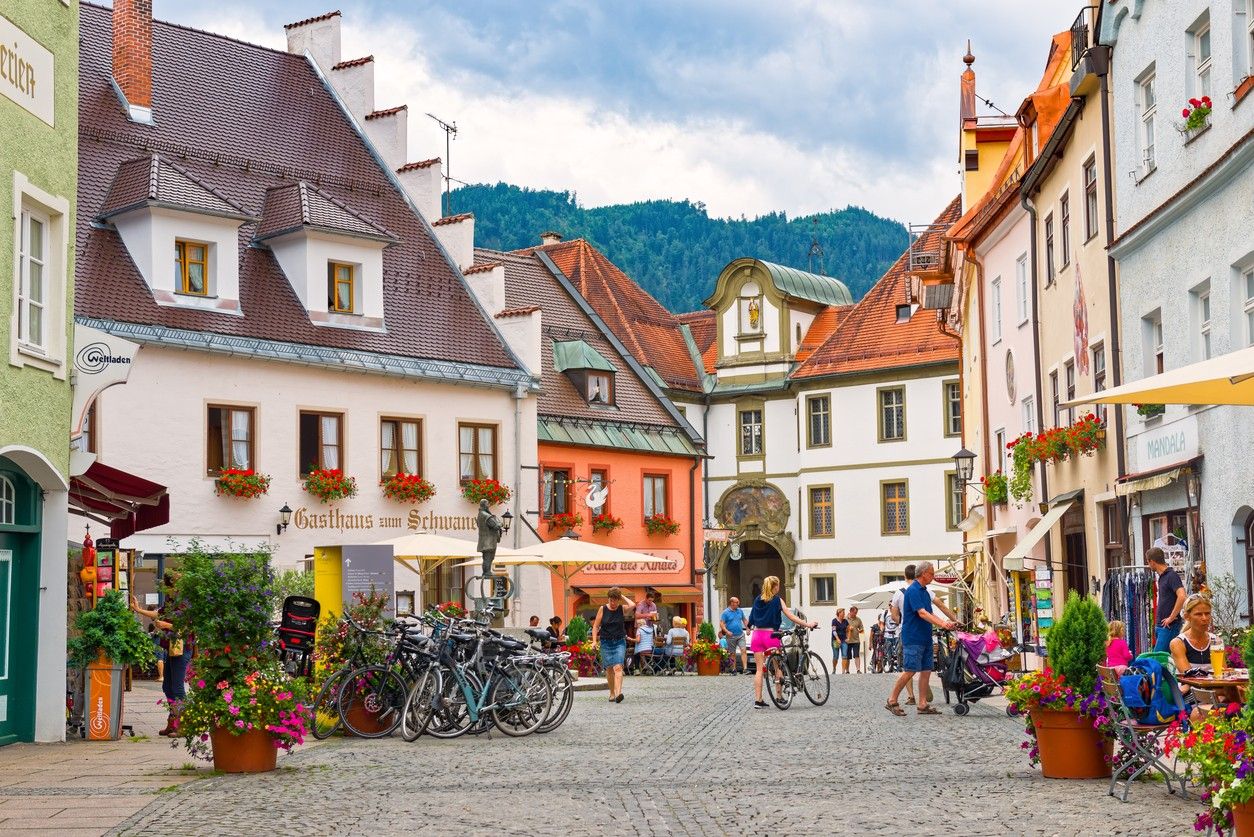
{"points": [[683, 755]]}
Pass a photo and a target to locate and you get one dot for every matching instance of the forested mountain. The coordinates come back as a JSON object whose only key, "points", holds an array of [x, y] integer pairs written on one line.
{"points": [[674, 249]]}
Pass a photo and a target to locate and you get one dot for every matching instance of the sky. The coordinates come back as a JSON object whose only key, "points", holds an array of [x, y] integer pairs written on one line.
{"points": [[747, 107]]}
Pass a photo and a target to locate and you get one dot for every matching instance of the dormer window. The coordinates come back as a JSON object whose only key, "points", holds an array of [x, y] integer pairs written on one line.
{"points": [[191, 267], [341, 287], [588, 370], [600, 388]]}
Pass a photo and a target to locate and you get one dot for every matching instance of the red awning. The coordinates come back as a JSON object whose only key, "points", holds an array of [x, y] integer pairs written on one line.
{"points": [[125, 502]]}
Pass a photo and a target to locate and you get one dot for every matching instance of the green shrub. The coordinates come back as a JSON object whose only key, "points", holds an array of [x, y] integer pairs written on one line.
{"points": [[112, 628], [578, 630], [1077, 643], [706, 632]]}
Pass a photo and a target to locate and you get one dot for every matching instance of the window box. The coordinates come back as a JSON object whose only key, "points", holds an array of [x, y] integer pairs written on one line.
{"points": [[407, 488], [243, 483], [1150, 411], [660, 524], [330, 484], [491, 490], [606, 522], [996, 489], [565, 520]]}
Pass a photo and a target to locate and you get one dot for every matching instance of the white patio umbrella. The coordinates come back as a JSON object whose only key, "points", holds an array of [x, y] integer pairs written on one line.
{"points": [[1226, 379], [432, 551], [564, 557], [879, 598]]}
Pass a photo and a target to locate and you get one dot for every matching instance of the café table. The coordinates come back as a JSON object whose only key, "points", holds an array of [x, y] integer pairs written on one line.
{"points": [[1228, 689]]}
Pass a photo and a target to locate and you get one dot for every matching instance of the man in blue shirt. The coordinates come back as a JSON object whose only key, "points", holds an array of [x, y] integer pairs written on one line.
{"points": [[916, 640], [733, 626]]}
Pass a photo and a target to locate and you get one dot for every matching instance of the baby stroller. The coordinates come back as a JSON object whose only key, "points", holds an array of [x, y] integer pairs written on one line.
{"points": [[976, 670]]}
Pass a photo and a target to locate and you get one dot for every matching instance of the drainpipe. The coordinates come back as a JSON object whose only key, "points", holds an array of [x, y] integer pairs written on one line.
{"points": [[692, 522], [705, 497], [1027, 203], [979, 307], [1101, 56], [520, 392]]}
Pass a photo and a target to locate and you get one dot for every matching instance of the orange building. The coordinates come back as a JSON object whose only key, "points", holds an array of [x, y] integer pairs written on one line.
{"points": [[618, 464]]}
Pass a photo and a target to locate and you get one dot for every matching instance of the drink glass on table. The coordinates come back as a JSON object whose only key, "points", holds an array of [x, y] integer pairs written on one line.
{"points": [[1217, 655]]}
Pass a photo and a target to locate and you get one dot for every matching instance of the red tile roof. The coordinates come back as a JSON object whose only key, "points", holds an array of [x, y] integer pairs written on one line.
{"points": [[480, 268], [452, 219], [649, 331], [419, 165], [240, 136], [354, 62], [155, 180], [704, 328], [530, 285], [326, 16], [379, 114], [825, 322], [294, 205], [869, 337], [517, 312]]}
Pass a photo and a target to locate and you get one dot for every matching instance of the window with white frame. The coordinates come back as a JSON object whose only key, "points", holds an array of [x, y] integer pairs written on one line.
{"points": [[953, 409], [1099, 377], [1029, 413], [1203, 324], [1069, 379], [1064, 228], [999, 445], [1049, 249], [1021, 287], [1199, 57], [1152, 328], [1249, 37], [1090, 198], [32, 281], [751, 432], [1247, 306], [1147, 111], [995, 301], [1055, 401], [8, 502]]}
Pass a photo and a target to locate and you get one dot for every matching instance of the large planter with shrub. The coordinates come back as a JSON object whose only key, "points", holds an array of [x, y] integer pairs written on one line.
{"points": [[1070, 748]]}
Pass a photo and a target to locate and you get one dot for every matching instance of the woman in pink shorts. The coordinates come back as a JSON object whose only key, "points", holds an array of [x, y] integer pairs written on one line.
{"points": [[767, 615]]}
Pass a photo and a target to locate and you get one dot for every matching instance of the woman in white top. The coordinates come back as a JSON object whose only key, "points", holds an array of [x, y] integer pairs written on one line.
{"points": [[677, 639]]}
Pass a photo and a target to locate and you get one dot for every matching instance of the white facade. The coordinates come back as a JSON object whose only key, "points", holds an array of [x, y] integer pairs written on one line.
{"points": [[1185, 247]]}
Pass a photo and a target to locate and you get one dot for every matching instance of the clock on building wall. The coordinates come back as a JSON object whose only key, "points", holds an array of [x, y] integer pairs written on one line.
{"points": [[1010, 375]]}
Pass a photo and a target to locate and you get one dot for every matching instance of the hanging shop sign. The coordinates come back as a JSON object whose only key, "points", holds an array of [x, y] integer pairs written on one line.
{"points": [[1168, 444], [100, 361], [26, 71]]}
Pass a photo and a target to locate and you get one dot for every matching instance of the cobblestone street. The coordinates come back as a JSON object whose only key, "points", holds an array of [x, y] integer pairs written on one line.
{"points": [[678, 757]]}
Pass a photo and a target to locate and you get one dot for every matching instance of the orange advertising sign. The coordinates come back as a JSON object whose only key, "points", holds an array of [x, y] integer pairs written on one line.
{"points": [[99, 703]]}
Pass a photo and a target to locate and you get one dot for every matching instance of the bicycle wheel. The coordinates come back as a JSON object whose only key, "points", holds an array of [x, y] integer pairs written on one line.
{"points": [[563, 699], [451, 715], [520, 700], [419, 704], [326, 706], [778, 681], [371, 701], [816, 682]]}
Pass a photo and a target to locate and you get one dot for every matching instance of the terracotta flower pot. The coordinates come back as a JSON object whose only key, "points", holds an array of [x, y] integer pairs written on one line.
{"points": [[708, 666], [1243, 819], [1069, 746], [252, 751], [363, 719]]}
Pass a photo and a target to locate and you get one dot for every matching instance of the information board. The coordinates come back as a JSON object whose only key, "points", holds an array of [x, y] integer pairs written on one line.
{"points": [[366, 567]]}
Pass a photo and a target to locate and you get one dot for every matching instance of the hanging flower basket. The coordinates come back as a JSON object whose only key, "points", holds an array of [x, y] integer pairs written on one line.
{"points": [[241, 482], [660, 524], [491, 490], [330, 484], [1150, 411], [606, 522], [565, 520], [996, 489], [408, 488], [453, 610]]}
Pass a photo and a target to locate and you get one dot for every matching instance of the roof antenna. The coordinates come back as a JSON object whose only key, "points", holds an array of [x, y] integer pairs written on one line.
{"points": [[816, 250], [450, 134]]}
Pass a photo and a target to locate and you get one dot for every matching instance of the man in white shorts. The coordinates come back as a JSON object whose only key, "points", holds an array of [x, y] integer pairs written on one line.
{"points": [[894, 615]]}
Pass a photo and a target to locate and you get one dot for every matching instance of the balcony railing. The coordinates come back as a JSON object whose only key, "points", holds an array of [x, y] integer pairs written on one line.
{"points": [[1083, 34], [927, 247]]}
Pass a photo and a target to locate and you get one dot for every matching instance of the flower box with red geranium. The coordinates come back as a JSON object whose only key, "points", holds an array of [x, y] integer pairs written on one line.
{"points": [[408, 488], [606, 522], [660, 524], [330, 484], [452, 610], [995, 488], [1196, 115], [1149, 411], [241, 482], [491, 490], [565, 520]]}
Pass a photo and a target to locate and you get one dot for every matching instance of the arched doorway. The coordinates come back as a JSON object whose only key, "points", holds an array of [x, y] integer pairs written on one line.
{"points": [[1248, 532], [743, 577], [19, 597]]}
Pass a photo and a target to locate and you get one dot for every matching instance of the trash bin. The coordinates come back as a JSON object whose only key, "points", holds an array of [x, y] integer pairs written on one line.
{"points": [[102, 707]]}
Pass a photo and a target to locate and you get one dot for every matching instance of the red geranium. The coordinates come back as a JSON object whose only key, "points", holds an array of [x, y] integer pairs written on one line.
{"points": [[408, 488], [241, 482]]}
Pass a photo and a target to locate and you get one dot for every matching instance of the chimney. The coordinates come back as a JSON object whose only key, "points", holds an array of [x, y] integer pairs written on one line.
{"points": [[550, 237], [967, 108], [132, 57], [319, 36]]}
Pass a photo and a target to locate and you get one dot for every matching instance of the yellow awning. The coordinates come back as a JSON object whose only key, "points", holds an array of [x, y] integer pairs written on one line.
{"points": [[1034, 536], [1149, 483], [1227, 379]]}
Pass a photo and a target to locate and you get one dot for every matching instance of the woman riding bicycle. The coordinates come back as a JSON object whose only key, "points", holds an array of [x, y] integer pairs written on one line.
{"points": [[768, 612]]}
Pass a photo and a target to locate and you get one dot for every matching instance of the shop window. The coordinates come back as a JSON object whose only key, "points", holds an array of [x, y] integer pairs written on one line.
{"points": [[821, 512], [953, 409], [822, 589], [321, 441], [892, 414], [894, 508], [819, 421], [751, 432], [191, 267], [655, 494], [229, 438], [400, 446], [341, 288], [8, 502], [476, 451], [557, 490]]}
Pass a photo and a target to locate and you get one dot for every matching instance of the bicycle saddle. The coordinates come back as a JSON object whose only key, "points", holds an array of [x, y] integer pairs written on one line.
{"points": [[539, 634]]}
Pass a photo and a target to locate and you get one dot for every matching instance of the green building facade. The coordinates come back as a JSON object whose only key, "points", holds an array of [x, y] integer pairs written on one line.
{"points": [[38, 173]]}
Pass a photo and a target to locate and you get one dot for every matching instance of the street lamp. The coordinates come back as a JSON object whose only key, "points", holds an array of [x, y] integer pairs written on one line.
{"points": [[285, 517], [506, 520], [964, 461]]}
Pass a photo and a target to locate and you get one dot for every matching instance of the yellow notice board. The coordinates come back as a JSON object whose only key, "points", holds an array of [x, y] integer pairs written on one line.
{"points": [[329, 580]]}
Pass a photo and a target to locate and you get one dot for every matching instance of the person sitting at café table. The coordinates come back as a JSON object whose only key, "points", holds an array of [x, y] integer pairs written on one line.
{"points": [[555, 630], [1191, 648]]}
